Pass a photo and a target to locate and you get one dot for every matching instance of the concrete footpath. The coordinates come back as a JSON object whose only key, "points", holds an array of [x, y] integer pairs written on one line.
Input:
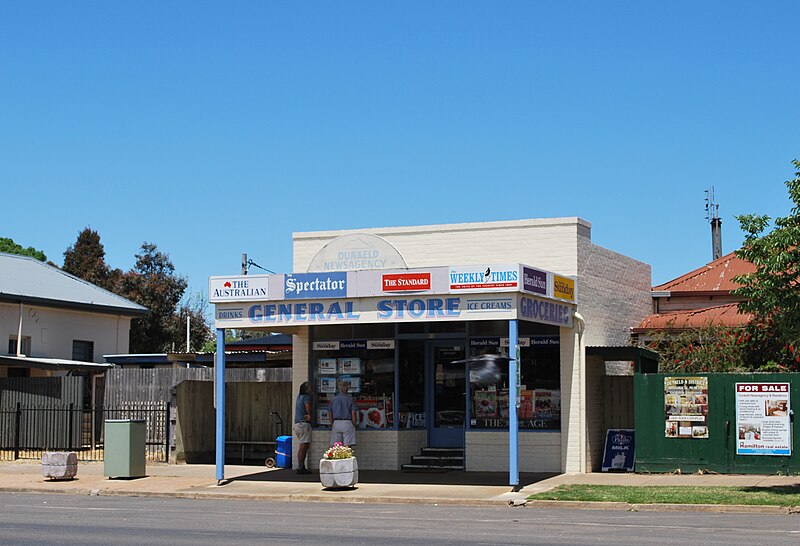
{"points": [[452, 488]]}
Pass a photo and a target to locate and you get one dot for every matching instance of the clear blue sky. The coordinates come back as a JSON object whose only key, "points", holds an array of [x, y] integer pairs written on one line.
{"points": [[213, 129]]}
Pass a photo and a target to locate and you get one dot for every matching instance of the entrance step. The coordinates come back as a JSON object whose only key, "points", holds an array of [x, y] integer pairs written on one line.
{"points": [[436, 459]]}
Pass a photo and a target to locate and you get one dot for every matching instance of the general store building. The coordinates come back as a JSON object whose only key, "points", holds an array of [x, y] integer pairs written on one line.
{"points": [[396, 312]]}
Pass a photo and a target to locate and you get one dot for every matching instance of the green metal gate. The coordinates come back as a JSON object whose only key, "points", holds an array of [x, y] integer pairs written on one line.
{"points": [[656, 452]]}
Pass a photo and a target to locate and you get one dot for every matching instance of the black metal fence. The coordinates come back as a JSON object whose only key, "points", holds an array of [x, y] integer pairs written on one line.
{"points": [[27, 432]]}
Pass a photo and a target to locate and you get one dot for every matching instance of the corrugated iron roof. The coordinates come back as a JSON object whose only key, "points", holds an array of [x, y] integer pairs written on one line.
{"points": [[719, 315], [27, 280], [50, 363], [714, 276]]}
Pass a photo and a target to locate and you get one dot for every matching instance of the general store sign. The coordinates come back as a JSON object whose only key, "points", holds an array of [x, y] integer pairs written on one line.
{"points": [[398, 308]]}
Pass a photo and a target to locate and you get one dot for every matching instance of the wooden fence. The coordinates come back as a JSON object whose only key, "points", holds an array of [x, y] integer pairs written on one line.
{"points": [[124, 385]]}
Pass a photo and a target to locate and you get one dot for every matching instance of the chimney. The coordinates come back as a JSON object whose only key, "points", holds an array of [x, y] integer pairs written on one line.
{"points": [[712, 215]]}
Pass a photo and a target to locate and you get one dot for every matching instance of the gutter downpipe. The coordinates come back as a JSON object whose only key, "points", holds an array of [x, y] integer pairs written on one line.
{"points": [[219, 403], [513, 404], [19, 332], [581, 324]]}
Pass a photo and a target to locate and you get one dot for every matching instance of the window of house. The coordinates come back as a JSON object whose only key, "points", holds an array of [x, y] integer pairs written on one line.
{"points": [[25, 348], [83, 350]]}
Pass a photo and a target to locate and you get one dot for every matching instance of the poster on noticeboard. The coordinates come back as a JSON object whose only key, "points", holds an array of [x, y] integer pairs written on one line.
{"points": [[686, 407], [326, 366], [763, 426], [350, 365]]}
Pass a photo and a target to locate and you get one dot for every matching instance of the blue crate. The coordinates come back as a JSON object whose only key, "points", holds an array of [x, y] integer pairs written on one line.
{"points": [[283, 452]]}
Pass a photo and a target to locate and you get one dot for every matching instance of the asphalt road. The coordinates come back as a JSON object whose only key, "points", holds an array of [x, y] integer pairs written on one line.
{"points": [[65, 519]]}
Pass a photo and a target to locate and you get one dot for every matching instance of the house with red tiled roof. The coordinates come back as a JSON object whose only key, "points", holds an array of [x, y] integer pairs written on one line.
{"points": [[700, 298]]}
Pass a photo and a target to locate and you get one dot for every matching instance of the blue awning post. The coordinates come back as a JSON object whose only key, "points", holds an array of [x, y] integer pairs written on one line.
{"points": [[513, 403], [219, 400]]}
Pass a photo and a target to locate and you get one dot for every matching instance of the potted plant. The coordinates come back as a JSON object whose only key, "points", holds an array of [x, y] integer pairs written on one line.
{"points": [[338, 467]]}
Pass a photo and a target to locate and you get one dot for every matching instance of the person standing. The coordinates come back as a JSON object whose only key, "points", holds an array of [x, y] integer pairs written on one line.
{"points": [[345, 416], [302, 426]]}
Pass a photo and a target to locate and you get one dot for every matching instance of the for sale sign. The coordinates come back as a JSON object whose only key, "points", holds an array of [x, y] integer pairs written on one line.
{"points": [[762, 419]]}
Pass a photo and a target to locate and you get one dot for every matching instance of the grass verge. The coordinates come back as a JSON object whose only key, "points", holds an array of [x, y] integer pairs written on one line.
{"points": [[774, 496]]}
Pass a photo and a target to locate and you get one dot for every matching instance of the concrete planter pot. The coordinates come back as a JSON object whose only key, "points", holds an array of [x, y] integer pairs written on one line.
{"points": [[59, 465], [338, 473]]}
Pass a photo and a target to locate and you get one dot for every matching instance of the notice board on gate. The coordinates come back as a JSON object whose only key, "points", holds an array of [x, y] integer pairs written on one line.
{"points": [[619, 453]]}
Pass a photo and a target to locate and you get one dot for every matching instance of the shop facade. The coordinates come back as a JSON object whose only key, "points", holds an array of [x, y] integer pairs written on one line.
{"points": [[403, 315]]}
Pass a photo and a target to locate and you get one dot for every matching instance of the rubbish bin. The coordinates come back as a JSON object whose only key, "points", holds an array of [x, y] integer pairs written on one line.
{"points": [[283, 451], [124, 448]]}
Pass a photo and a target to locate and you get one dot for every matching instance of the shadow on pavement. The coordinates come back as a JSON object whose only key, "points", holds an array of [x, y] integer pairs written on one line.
{"points": [[451, 477]]}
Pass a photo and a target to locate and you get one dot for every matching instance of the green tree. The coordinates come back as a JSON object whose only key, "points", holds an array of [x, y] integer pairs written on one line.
{"points": [[772, 292], [707, 349], [199, 330], [8, 246], [87, 259], [153, 283]]}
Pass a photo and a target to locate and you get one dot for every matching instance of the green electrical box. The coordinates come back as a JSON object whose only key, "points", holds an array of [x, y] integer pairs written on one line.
{"points": [[124, 448]]}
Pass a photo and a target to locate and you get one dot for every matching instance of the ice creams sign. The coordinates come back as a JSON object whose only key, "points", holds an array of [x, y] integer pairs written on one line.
{"points": [[239, 288]]}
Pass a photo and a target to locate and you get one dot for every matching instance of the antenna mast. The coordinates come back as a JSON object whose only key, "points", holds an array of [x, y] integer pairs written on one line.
{"points": [[712, 215]]}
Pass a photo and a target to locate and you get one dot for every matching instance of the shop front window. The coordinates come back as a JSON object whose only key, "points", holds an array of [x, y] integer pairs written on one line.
{"points": [[540, 395], [368, 368], [411, 409]]}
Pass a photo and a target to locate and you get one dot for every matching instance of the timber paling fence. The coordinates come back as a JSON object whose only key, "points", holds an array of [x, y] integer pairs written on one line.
{"points": [[28, 431]]}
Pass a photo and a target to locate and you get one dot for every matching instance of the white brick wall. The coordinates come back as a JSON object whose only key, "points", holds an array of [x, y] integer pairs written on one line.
{"points": [[538, 451], [572, 394], [547, 243], [375, 449]]}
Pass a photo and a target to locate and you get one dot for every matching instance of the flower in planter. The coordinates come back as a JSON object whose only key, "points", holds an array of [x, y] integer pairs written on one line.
{"points": [[338, 451]]}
